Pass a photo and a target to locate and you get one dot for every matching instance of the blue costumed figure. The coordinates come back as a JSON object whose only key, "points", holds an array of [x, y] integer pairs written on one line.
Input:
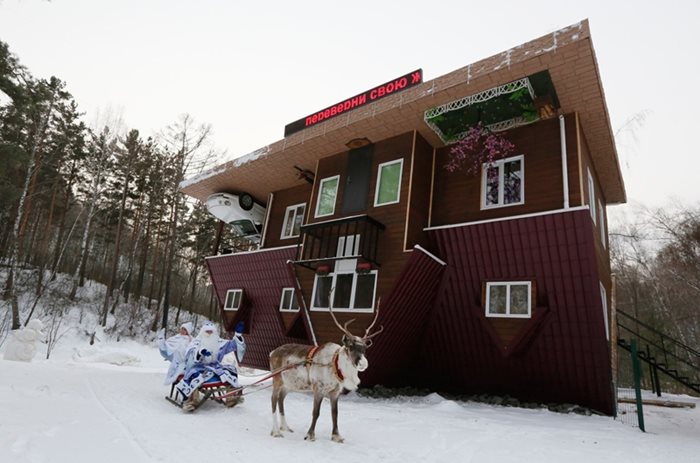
{"points": [[174, 349], [203, 363]]}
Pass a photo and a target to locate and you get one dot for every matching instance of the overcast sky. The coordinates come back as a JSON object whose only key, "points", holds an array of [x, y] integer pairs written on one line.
{"points": [[249, 68]]}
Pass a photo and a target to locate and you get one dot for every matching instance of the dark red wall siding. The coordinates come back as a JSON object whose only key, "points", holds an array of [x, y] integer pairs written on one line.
{"points": [[404, 314], [261, 275], [436, 334], [564, 357]]}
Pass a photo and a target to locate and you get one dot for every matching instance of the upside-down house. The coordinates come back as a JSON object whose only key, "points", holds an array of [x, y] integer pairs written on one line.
{"points": [[495, 281]]}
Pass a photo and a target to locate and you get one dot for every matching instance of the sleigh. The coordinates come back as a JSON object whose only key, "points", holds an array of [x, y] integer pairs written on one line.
{"points": [[213, 389]]}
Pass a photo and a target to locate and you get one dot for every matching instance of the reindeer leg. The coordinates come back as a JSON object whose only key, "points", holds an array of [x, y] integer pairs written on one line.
{"points": [[334, 415], [283, 422], [311, 434], [275, 397]]}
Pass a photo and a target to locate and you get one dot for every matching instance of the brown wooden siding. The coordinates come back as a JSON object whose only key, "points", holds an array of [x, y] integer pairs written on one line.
{"points": [[573, 155], [562, 354], [602, 251], [602, 247], [457, 195], [282, 200], [386, 150], [261, 275], [393, 216], [419, 202]]}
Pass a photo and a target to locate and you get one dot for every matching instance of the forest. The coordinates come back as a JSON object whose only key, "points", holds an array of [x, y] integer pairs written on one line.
{"points": [[99, 203], [102, 203]]}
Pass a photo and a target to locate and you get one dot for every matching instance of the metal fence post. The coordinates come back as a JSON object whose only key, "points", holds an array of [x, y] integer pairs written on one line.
{"points": [[637, 384]]}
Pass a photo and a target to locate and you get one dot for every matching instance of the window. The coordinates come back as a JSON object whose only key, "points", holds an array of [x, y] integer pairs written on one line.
{"points": [[288, 302], [327, 192], [388, 183], [233, 299], [509, 299], [601, 222], [591, 195], [604, 300], [503, 183], [293, 218], [352, 291], [348, 246]]}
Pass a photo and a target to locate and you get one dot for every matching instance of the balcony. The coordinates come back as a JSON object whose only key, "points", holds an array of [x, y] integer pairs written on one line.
{"points": [[355, 237]]}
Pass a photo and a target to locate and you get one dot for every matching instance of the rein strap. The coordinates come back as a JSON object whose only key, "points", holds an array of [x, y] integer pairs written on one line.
{"points": [[336, 367]]}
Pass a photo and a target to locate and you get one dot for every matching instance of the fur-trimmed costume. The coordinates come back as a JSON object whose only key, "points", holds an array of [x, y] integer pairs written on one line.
{"points": [[203, 360], [174, 349]]}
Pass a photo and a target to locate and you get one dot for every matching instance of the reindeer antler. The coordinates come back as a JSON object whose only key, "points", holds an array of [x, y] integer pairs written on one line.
{"points": [[368, 336], [344, 329]]}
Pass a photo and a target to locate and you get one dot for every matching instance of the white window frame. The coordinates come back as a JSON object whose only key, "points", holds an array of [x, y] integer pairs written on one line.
{"points": [[290, 308], [591, 195], [294, 208], [334, 277], [604, 299], [320, 190], [355, 243], [499, 163], [508, 284], [240, 300], [601, 223], [379, 182]]}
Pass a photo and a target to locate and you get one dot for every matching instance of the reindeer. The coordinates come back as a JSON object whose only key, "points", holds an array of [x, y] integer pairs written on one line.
{"points": [[327, 370]]}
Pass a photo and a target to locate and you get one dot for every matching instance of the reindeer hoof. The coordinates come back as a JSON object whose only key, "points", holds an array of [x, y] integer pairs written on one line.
{"points": [[337, 438], [310, 437], [276, 434]]}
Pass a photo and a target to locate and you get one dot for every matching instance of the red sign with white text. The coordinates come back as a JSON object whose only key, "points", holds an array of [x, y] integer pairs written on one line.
{"points": [[389, 88]]}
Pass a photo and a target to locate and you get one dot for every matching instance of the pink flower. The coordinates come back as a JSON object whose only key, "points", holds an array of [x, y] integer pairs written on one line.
{"points": [[479, 146]]}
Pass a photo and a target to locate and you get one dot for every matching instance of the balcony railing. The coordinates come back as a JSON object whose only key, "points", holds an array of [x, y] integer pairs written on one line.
{"points": [[355, 237]]}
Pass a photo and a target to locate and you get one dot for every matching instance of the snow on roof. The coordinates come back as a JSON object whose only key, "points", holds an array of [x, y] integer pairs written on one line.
{"points": [[223, 167]]}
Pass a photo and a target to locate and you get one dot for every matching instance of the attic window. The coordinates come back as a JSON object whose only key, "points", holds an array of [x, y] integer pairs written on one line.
{"points": [[288, 302], [233, 299], [516, 103], [509, 299]]}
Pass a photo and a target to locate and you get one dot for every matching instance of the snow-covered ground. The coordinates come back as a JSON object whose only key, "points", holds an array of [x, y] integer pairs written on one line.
{"points": [[106, 404]]}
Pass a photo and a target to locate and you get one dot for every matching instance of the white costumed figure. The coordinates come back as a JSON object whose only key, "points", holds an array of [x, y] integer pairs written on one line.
{"points": [[22, 343], [203, 362], [174, 349]]}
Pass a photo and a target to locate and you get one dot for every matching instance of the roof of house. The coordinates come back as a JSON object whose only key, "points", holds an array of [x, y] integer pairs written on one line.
{"points": [[567, 54]]}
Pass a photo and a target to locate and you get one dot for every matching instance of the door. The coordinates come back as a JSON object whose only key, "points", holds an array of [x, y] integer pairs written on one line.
{"points": [[357, 181]]}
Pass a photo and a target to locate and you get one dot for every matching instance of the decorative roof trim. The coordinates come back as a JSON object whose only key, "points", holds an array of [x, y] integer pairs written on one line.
{"points": [[503, 219]]}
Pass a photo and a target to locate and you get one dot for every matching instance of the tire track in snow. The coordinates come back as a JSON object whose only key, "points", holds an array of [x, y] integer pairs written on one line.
{"points": [[131, 438]]}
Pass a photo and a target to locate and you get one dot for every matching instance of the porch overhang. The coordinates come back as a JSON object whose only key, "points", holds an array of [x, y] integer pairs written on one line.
{"points": [[323, 243], [520, 102]]}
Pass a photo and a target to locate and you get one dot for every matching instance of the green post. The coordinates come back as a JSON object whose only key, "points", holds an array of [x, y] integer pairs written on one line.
{"points": [[636, 368], [657, 382]]}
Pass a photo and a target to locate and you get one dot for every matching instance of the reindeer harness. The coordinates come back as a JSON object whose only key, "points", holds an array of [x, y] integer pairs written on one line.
{"points": [[336, 368]]}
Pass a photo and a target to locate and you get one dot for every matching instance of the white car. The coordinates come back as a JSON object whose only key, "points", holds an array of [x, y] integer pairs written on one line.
{"points": [[240, 211]]}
